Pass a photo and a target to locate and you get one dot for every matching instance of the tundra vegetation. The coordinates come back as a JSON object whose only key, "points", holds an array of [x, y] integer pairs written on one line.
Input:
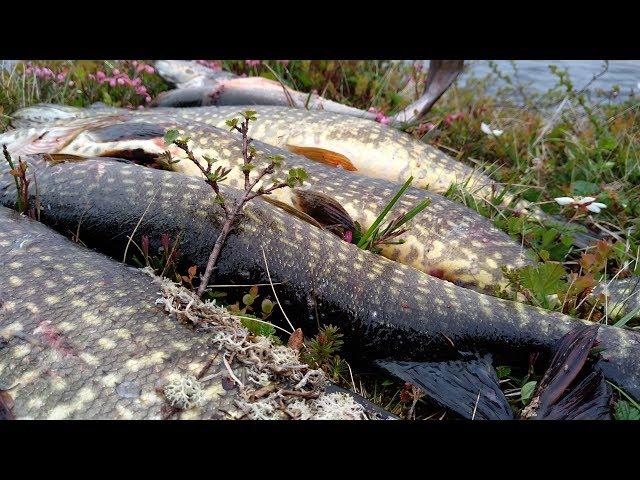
{"points": [[571, 143]]}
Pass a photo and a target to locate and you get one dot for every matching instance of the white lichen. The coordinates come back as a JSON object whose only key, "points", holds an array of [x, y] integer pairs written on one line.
{"points": [[338, 406], [278, 378], [184, 393]]}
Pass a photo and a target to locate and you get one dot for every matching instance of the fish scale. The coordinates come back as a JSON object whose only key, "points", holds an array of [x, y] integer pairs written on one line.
{"points": [[82, 338], [446, 239], [385, 309]]}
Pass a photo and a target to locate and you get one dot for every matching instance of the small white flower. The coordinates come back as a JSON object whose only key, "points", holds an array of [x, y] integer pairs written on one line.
{"points": [[487, 130], [585, 202], [564, 200], [595, 207]]}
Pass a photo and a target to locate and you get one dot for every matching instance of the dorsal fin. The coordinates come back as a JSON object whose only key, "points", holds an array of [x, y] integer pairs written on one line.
{"points": [[323, 155]]}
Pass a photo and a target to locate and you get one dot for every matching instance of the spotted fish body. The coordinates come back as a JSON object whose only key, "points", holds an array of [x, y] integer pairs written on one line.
{"points": [[81, 336], [368, 148], [202, 86], [447, 239], [384, 308]]}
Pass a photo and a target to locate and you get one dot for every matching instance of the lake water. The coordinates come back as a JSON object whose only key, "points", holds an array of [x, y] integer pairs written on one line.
{"points": [[536, 74]]}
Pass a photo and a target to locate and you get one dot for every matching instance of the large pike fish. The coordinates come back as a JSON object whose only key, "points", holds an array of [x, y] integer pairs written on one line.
{"points": [[198, 86], [81, 337], [385, 309], [447, 239], [355, 144]]}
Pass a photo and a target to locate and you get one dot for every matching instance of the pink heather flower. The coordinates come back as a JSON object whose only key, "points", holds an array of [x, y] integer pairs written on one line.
{"points": [[149, 69], [140, 67], [60, 77], [283, 62], [253, 63], [136, 81], [380, 116], [112, 82], [141, 90], [116, 71], [120, 81], [100, 75], [147, 99], [348, 236], [134, 63], [28, 71], [452, 117]]}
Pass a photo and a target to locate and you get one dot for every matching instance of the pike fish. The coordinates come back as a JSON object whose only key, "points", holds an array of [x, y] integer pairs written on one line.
{"points": [[355, 144], [385, 309], [199, 86], [82, 337], [446, 239]]}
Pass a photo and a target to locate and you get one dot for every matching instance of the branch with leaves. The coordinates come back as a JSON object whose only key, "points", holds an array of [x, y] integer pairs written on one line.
{"points": [[295, 176], [19, 174]]}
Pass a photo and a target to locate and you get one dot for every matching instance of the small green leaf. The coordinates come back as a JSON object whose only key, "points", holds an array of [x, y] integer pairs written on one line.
{"points": [[625, 411], [248, 299], [258, 328], [267, 306], [503, 371], [527, 390], [542, 280], [171, 136]]}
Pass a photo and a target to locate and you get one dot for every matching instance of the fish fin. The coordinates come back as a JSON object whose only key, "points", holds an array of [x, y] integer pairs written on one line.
{"points": [[325, 209], [590, 399], [464, 386], [292, 210], [56, 158], [57, 137], [567, 362], [323, 156]]}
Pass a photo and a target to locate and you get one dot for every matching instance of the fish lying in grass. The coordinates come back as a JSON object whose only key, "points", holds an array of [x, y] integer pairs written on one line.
{"points": [[447, 239], [81, 336], [199, 86], [355, 144], [385, 309]]}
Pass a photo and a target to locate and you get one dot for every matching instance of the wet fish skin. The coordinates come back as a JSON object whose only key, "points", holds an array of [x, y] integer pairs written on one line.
{"points": [[446, 239], [201, 86], [81, 337], [375, 150], [384, 308]]}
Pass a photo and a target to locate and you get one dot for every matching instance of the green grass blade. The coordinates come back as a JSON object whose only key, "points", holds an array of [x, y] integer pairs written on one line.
{"points": [[624, 320], [384, 213]]}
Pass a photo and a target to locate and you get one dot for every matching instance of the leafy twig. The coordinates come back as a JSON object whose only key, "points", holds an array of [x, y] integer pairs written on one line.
{"points": [[295, 176]]}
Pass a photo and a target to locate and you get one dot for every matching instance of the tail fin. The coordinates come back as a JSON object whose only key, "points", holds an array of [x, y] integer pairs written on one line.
{"points": [[53, 139], [588, 400], [442, 73], [469, 387]]}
